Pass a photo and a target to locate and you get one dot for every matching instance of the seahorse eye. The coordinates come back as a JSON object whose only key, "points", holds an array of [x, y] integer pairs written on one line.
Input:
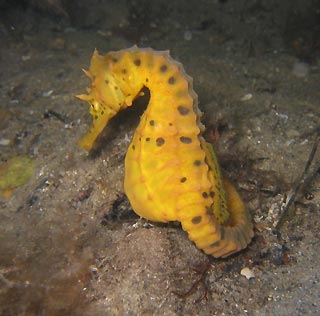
{"points": [[95, 106]]}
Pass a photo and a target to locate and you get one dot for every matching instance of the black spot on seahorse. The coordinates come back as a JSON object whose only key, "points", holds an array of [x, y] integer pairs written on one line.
{"points": [[185, 140], [171, 80], [137, 62], [183, 110], [196, 220], [163, 68], [160, 141]]}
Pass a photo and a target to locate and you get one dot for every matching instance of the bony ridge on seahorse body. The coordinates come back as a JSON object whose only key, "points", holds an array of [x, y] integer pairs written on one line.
{"points": [[171, 172]]}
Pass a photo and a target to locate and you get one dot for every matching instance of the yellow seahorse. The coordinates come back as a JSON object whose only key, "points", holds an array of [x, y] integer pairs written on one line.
{"points": [[171, 172]]}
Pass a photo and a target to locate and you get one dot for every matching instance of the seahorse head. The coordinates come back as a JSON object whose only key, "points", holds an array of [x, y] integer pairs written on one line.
{"points": [[106, 97]]}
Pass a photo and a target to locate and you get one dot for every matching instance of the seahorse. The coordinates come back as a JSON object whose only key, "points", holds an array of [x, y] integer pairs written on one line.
{"points": [[171, 172]]}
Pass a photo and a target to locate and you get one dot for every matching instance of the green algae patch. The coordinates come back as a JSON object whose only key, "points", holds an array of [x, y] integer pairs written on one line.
{"points": [[14, 173]]}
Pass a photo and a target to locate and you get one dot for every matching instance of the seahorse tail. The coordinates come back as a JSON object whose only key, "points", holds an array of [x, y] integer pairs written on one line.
{"points": [[222, 240]]}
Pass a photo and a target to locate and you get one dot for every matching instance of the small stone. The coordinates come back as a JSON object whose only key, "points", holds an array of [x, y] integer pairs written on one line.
{"points": [[58, 43], [300, 69], [26, 57], [246, 272], [47, 93], [4, 142], [187, 35], [247, 97], [291, 133]]}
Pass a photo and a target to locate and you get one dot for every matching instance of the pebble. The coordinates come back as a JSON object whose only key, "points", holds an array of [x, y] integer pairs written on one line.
{"points": [[246, 272], [4, 142], [300, 69], [247, 97], [58, 43], [26, 57], [187, 35], [291, 133], [47, 93]]}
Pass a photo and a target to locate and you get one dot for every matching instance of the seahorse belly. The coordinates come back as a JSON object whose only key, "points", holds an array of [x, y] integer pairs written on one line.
{"points": [[171, 173]]}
